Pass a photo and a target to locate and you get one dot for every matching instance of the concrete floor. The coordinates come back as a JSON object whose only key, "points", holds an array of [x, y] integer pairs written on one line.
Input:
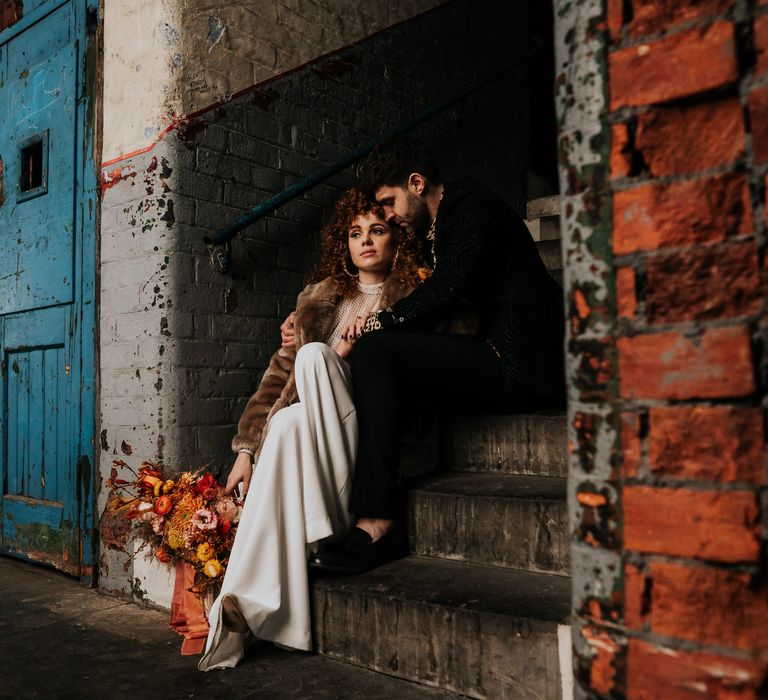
{"points": [[61, 640]]}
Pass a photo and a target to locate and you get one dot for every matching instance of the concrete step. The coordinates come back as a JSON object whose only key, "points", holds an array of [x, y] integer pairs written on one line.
{"points": [[543, 207], [513, 444], [481, 631], [505, 520], [543, 218]]}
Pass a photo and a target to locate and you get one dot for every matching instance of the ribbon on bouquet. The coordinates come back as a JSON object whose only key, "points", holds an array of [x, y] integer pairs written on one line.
{"points": [[187, 611]]}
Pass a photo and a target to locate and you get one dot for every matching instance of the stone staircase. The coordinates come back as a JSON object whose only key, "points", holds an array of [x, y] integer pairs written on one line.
{"points": [[481, 606]]}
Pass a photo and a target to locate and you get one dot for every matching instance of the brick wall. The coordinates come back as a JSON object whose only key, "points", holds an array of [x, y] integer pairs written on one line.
{"points": [[182, 346], [664, 158], [231, 158]]}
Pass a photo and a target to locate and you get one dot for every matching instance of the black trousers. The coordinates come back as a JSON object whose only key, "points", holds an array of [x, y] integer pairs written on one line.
{"points": [[393, 370]]}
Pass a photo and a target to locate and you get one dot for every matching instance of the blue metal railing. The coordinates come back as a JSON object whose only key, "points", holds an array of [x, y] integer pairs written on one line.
{"points": [[218, 243]]}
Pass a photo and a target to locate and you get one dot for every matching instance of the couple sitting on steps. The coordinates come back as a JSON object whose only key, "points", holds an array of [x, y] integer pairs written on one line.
{"points": [[324, 428]]}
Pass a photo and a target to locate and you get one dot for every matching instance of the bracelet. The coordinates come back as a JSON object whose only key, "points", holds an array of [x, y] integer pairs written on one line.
{"points": [[372, 323], [246, 450]]}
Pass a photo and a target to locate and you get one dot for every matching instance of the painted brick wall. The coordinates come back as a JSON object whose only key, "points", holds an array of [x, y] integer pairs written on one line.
{"points": [[182, 346], [237, 155], [664, 156]]}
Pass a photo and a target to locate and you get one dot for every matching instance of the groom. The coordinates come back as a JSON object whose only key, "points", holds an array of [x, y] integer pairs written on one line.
{"points": [[481, 252]]}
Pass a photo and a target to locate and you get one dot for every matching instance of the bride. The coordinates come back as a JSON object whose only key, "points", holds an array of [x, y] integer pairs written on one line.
{"points": [[300, 431]]}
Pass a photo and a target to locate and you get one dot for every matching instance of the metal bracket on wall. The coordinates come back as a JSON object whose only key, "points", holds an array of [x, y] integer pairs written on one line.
{"points": [[220, 255]]}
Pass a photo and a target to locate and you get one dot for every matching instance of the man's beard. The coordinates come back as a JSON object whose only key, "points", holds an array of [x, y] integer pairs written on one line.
{"points": [[417, 215]]}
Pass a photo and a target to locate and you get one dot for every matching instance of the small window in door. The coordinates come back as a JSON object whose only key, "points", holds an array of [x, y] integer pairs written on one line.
{"points": [[33, 180]]}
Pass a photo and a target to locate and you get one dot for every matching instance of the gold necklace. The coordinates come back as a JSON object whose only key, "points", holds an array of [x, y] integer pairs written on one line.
{"points": [[431, 232]]}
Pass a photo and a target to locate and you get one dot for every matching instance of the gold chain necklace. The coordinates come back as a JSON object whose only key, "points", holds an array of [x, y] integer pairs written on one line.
{"points": [[431, 232]]}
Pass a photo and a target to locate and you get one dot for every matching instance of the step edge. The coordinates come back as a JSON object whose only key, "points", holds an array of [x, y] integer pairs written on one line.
{"points": [[322, 585]]}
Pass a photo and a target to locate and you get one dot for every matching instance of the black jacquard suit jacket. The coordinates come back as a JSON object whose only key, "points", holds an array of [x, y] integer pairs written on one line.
{"points": [[485, 254]]}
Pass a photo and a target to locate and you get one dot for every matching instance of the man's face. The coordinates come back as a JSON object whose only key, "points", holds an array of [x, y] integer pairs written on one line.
{"points": [[404, 208]]}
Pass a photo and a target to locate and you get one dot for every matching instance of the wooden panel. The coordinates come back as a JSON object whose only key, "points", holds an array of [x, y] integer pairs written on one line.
{"points": [[37, 460], [47, 253]]}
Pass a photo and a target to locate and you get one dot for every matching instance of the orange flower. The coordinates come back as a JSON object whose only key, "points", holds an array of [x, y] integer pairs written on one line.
{"points": [[212, 568], [163, 554], [163, 505]]}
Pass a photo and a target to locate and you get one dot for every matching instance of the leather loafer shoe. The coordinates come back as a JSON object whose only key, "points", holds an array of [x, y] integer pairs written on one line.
{"points": [[357, 553]]}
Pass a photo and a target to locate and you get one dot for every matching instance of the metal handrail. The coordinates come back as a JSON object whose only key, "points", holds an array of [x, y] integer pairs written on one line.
{"points": [[218, 243]]}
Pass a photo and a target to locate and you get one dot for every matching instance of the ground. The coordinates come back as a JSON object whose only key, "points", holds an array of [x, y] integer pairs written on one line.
{"points": [[61, 640]]}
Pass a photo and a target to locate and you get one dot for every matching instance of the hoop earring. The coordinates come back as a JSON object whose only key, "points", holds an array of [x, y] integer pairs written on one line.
{"points": [[344, 267]]}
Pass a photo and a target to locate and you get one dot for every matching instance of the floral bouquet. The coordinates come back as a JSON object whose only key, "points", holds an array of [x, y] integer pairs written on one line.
{"points": [[186, 518]]}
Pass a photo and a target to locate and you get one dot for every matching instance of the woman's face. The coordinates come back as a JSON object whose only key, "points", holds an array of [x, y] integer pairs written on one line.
{"points": [[371, 244]]}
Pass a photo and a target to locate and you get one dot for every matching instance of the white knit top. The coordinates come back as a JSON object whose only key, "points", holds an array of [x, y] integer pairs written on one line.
{"points": [[361, 303]]}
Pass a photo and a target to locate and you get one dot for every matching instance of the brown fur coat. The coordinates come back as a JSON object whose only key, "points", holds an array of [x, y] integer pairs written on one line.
{"points": [[315, 317]]}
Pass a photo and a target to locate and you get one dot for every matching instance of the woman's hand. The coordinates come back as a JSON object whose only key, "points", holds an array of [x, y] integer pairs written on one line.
{"points": [[360, 322], [241, 472], [288, 332], [347, 342]]}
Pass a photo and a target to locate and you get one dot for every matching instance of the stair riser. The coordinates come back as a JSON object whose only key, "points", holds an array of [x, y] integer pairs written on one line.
{"points": [[550, 253], [522, 534], [544, 229], [534, 445], [480, 655]]}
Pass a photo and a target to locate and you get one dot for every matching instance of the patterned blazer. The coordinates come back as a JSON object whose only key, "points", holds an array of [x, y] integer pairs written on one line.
{"points": [[485, 254]]}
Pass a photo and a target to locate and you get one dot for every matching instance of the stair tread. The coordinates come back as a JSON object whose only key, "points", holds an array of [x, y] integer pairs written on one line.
{"points": [[478, 484], [543, 206], [534, 415], [463, 586]]}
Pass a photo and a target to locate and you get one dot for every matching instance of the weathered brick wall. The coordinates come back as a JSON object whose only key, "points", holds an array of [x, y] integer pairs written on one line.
{"points": [[665, 153], [182, 346]]}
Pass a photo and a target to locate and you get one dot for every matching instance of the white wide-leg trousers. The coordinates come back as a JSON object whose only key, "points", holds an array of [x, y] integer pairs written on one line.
{"points": [[298, 496]]}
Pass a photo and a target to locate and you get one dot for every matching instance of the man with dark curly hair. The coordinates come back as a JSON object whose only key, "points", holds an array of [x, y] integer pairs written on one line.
{"points": [[482, 252]]}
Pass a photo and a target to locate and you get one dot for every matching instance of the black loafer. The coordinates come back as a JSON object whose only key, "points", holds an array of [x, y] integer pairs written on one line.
{"points": [[357, 553]]}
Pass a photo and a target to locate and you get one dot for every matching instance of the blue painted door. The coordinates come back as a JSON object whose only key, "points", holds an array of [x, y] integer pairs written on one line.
{"points": [[47, 203]]}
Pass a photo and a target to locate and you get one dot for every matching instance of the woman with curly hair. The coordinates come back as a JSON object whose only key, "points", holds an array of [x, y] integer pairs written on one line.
{"points": [[300, 431]]}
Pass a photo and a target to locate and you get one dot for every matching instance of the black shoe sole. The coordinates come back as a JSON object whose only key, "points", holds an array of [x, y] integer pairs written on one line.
{"points": [[317, 564]]}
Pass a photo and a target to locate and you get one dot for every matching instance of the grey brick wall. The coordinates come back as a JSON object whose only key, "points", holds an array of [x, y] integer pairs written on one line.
{"points": [[235, 156], [182, 346]]}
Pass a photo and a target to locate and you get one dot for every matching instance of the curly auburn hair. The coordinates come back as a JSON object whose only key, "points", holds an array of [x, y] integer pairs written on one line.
{"points": [[334, 245]]}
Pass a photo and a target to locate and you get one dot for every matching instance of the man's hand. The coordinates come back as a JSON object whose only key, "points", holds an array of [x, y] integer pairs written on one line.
{"points": [[287, 332], [241, 472]]}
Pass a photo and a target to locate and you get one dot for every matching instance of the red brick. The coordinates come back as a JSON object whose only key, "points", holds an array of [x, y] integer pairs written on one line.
{"points": [[676, 66], [615, 18], [630, 444], [696, 211], [714, 525], [761, 43], [659, 15], [709, 605], [626, 294], [705, 283], [635, 592], [686, 139], [712, 443], [659, 672], [671, 366], [621, 155], [604, 652], [758, 121]]}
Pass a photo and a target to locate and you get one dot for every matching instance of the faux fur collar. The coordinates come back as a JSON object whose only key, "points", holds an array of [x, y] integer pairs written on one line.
{"points": [[316, 306]]}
